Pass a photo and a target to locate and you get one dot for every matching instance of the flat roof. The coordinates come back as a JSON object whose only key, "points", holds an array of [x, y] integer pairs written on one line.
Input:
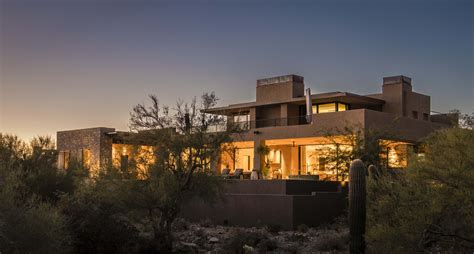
{"points": [[345, 97]]}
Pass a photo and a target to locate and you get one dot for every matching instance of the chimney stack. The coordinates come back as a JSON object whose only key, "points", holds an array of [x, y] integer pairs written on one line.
{"points": [[281, 88]]}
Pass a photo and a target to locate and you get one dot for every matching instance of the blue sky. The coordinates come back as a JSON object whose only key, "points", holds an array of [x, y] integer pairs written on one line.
{"points": [[74, 64]]}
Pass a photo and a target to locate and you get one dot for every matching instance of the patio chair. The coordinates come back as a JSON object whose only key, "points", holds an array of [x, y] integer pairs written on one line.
{"points": [[238, 174], [225, 173]]}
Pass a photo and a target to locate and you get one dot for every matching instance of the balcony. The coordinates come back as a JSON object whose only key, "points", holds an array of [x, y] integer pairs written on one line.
{"points": [[262, 123]]}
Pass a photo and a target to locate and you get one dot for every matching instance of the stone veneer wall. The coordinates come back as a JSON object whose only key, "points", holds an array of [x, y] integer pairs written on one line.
{"points": [[94, 139]]}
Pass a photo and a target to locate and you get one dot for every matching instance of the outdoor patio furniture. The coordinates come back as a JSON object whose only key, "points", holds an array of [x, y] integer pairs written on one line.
{"points": [[276, 174], [238, 173], [225, 173]]}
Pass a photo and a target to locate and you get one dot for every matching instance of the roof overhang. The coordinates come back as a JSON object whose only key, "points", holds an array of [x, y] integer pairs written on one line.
{"points": [[343, 97]]}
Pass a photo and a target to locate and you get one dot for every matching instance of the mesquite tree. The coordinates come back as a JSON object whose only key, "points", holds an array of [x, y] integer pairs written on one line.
{"points": [[185, 153]]}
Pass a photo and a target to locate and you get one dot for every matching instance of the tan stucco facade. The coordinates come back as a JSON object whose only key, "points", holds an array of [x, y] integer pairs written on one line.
{"points": [[278, 116], [278, 119]]}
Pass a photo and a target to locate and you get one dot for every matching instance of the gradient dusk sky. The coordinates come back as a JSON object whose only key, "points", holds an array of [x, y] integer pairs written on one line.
{"points": [[74, 64]]}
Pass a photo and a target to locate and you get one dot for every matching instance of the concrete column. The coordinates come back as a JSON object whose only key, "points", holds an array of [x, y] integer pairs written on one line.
{"points": [[253, 117], [284, 114]]}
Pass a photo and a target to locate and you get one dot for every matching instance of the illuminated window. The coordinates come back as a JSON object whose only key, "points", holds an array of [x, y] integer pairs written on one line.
{"points": [[326, 108], [342, 107], [63, 161], [86, 158], [396, 156], [244, 158], [330, 107], [274, 156]]}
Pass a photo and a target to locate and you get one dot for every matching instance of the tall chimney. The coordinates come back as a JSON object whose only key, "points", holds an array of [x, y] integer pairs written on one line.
{"points": [[280, 88]]}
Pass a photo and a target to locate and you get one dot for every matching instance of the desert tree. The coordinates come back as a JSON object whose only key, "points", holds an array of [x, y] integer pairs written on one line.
{"points": [[428, 208], [29, 220], [351, 142], [186, 149]]}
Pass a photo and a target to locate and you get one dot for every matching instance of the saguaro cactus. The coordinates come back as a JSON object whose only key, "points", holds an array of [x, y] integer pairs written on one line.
{"points": [[357, 210]]}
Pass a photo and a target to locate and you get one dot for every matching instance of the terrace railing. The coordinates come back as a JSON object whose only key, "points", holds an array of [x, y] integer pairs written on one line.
{"points": [[262, 123]]}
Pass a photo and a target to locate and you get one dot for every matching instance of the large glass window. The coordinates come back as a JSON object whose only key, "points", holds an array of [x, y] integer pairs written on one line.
{"points": [[324, 160], [242, 121], [244, 159], [241, 118], [326, 108], [330, 107]]}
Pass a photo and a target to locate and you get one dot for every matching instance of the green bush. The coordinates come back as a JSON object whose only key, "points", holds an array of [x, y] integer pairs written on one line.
{"points": [[98, 221], [430, 206], [28, 225]]}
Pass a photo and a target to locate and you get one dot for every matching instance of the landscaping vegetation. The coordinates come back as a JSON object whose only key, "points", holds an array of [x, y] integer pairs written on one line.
{"points": [[429, 207]]}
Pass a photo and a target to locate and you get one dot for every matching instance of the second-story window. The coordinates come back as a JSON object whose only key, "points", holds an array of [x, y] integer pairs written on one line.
{"points": [[241, 118], [330, 107], [342, 107]]}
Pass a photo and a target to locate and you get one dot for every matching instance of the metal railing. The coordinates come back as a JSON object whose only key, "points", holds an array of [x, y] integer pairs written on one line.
{"points": [[261, 123]]}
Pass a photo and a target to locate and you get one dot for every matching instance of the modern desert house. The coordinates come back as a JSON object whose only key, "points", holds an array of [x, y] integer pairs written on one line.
{"points": [[299, 132], [298, 141]]}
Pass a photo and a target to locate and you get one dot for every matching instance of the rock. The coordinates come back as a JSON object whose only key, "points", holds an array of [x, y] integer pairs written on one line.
{"points": [[248, 249], [186, 247], [190, 245], [213, 240]]}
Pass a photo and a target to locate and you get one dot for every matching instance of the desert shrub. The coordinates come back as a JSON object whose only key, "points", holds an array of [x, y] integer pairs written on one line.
{"points": [[291, 248], [180, 224], [27, 224], [35, 167], [267, 244], [331, 240], [256, 240], [98, 222], [302, 228], [428, 207], [273, 228], [296, 237]]}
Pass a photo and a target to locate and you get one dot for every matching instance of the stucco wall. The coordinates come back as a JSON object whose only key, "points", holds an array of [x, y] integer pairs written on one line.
{"points": [[419, 103], [322, 123], [403, 128], [256, 203], [277, 89]]}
